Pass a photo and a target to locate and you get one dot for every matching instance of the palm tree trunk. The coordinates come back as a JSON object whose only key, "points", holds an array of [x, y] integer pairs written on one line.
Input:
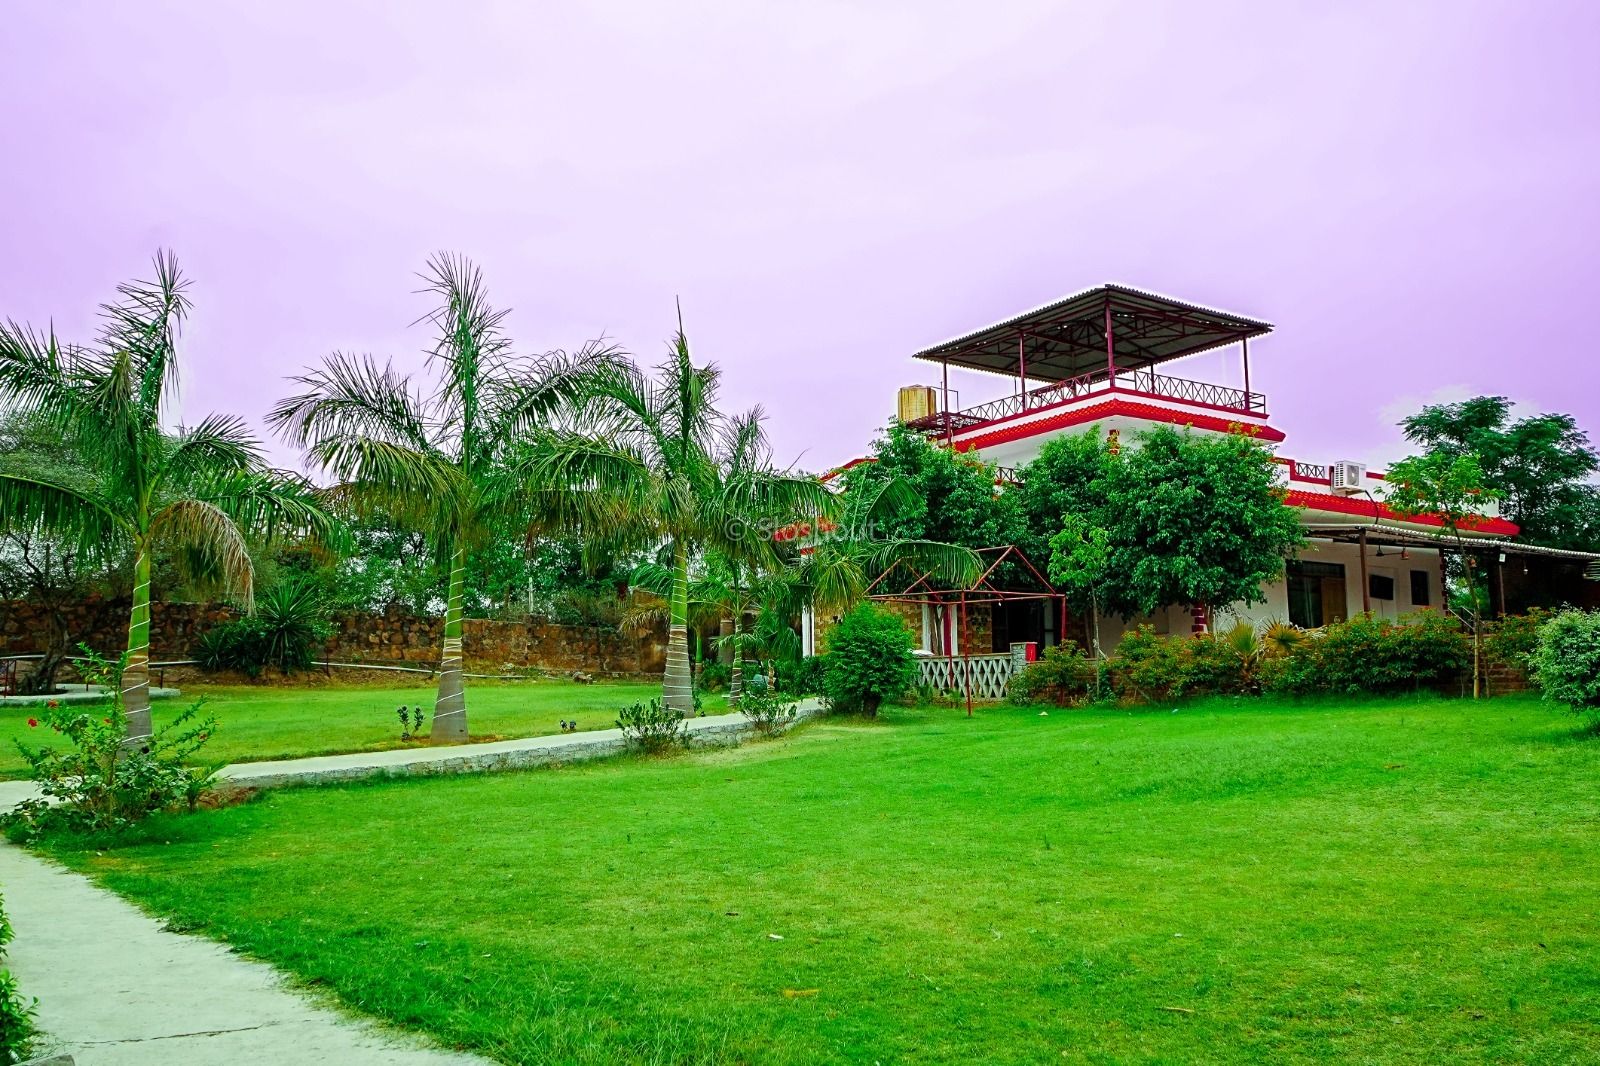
{"points": [[450, 708], [676, 689], [736, 671], [136, 673]]}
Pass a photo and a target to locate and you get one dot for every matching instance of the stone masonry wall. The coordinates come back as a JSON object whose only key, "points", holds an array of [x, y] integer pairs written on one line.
{"points": [[390, 638]]}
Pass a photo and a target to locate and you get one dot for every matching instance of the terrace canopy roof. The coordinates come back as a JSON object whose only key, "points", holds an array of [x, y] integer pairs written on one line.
{"points": [[1068, 338]]}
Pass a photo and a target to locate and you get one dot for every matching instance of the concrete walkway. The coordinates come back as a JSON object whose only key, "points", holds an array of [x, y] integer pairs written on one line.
{"points": [[450, 758], [115, 989]]}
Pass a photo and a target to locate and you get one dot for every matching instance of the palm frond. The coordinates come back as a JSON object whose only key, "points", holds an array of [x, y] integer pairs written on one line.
{"points": [[568, 480], [81, 518], [275, 505], [471, 344], [205, 534], [219, 445], [519, 401], [383, 468], [352, 396], [145, 324]]}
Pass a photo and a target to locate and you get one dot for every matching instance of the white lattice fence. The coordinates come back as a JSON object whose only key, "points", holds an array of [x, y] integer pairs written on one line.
{"points": [[989, 674]]}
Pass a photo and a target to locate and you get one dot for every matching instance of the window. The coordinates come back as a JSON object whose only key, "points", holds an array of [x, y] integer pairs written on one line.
{"points": [[1380, 586], [1419, 588], [1316, 593]]}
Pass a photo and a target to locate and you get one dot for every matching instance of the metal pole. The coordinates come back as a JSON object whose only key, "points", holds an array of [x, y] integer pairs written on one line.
{"points": [[1111, 359], [966, 656], [1366, 585], [945, 363], [1022, 369], [1244, 344]]}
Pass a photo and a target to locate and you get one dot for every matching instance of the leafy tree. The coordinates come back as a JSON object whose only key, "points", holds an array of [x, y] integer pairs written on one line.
{"points": [[1185, 518], [1449, 486], [1080, 568], [428, 460], [656, 466], [198, 492], [1066, 478], [1539, 464], [1195, 519], [952, 498], [48, 571]]}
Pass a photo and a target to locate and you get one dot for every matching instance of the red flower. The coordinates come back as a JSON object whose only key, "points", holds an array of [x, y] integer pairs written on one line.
{"points": [[107, 721], [204, 735], [33, 723], [53, 703]]}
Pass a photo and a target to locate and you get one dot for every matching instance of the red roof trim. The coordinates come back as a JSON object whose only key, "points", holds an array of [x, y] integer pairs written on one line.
{"points": [[1108, 409], [1363, 507]]}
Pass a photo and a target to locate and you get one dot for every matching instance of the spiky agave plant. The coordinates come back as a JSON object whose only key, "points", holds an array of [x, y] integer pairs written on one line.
{"points": [[198, 492], [425, 456]]}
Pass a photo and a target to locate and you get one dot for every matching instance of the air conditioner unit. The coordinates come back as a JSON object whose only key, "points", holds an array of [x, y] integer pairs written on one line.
{"points": [[1346, 477]]}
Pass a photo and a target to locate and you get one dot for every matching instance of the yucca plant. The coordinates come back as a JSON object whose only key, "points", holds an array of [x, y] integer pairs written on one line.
{"points": [[425, 456], [197, 493]]}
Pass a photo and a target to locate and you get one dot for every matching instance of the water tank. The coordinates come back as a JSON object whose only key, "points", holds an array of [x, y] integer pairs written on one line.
{"points": [[918, 401]]}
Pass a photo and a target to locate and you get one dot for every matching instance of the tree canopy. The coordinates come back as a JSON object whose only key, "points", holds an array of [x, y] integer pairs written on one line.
{"points": [[1186, 518], [1539, 464]]}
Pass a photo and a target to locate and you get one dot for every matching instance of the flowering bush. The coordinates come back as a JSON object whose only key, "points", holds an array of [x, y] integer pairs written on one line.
{"points": [[98, 782]]}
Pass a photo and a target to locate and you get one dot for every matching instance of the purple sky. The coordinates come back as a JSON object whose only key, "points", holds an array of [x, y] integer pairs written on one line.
{"points": [[1408, 190]]}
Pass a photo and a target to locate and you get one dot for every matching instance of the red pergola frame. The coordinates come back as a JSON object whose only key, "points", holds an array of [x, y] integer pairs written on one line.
{"points": [[923, 592]]}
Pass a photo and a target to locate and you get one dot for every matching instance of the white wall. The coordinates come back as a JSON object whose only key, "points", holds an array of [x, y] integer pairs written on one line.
{"points": [[1176, 620]]}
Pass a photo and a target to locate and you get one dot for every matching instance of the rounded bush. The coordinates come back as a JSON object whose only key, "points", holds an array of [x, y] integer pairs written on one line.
{"points": [[869, 660], [1566, 660]]}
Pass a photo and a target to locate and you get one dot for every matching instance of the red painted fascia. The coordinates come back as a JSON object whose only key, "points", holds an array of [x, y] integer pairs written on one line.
{"points": [[1364, 508], [1108, 409]]}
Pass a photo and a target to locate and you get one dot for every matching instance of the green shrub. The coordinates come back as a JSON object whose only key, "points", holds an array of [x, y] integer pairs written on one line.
{"points": [[1374, 655], [287, 629], [767, 711], [1063, 675], [17, 1028], [1149, 667], [802, 677], [16, 1014], [1514, 638], [713, 676], [99, 783], [653, 728], [869, 661], [1566, 661]]}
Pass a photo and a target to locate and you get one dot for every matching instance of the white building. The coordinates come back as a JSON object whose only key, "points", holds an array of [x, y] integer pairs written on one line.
{"points": [[1089, 363]]}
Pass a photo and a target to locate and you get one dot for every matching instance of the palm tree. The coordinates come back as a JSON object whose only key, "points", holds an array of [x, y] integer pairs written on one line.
{"points": [[427, 459], [657, 465], [198, 492], [841, 562]]}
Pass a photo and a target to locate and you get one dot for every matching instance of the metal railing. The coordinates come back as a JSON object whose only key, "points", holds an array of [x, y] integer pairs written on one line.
{"points": [[1147, 381]]}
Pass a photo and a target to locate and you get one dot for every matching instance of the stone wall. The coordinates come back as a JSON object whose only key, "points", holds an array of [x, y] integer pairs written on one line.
{"points": [[390, 638]]}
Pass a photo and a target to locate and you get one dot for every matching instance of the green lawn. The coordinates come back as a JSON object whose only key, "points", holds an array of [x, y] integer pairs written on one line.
{"points": [[1232, 881], [269, 722]]}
